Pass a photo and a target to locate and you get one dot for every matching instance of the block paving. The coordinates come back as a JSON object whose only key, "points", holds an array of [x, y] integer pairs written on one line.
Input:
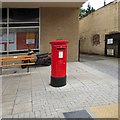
{"points": [[29, 95]]}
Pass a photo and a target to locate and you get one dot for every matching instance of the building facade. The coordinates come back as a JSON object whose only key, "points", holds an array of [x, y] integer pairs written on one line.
{"points": [[94, 29], [32, 25]]}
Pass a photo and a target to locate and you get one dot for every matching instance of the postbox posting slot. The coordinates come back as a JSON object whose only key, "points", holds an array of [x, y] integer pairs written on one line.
{"points": [[60, 51], [60, 48]]}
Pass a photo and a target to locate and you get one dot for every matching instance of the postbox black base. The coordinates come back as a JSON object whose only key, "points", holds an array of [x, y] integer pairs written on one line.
{"points": [[58, 82]]}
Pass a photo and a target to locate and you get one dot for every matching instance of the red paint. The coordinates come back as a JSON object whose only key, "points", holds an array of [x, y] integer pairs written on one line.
{"points": [[58, 67]]}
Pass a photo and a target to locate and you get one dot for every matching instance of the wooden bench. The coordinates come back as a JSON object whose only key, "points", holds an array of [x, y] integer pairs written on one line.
{"points": [[10, 61]]}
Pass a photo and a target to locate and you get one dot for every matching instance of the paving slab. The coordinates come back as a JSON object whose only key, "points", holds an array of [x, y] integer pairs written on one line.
{"points": [[22, 108], [32, 96]]}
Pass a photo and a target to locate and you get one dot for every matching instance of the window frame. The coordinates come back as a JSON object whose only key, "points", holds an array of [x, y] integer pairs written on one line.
{"points": [[7, 26]]}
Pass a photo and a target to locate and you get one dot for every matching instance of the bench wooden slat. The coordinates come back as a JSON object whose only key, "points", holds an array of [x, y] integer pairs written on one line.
{"points": [[17, 64], [18, 56], [10, 61]]}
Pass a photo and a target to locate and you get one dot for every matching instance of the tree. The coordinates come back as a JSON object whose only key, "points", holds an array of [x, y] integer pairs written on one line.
{"points": [[85, 12], [82, 12], [89, 9]]}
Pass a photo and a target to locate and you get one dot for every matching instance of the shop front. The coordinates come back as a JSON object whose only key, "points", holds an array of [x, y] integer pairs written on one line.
{"points": [[32, 25]]}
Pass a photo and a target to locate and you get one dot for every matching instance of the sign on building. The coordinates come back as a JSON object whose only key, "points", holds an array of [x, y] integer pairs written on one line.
{"points": [[110, 51], [96, 39], [110, 41], [30, 38]]}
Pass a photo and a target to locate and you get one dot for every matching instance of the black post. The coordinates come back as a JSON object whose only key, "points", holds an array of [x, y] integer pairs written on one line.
{"points": [[28, 66], [79, 51]]}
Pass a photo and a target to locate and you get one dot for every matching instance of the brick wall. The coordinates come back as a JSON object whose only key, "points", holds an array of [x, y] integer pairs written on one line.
{"points": [[103, 21]]}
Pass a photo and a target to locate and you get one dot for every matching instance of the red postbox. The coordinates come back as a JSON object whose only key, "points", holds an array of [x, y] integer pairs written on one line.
{"points": [[58, 67]]}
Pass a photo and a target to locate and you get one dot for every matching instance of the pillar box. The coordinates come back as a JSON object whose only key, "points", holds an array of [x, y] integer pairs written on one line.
{"points": [[58, 66]]}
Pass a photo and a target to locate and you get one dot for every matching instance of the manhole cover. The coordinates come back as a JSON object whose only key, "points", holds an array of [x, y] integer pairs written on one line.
{"points": [[77, 114]]}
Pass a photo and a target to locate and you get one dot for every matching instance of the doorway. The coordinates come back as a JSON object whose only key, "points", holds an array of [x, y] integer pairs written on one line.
{"points": [[112, 45]]}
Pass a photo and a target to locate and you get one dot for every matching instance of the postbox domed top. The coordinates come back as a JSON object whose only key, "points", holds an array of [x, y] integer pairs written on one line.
{"points": [[59, 42]]}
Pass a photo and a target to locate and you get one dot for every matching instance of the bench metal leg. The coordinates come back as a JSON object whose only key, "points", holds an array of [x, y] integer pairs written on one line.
{"points": [[27, 68]]}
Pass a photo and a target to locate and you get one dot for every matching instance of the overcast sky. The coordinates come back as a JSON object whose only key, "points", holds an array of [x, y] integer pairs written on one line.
{"points": [[96, 3]]}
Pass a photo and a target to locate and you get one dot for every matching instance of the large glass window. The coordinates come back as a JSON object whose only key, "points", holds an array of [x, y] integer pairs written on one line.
{"points": [[3, 33], [24, 15], [20, 29], [3, 17]]}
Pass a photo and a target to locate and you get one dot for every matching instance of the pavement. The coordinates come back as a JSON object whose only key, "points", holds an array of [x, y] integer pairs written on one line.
{"points": [[108, 65], [89, 93]]}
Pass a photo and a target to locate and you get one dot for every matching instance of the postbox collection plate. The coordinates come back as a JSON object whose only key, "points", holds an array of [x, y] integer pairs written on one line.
{"points": [[60, 54]]}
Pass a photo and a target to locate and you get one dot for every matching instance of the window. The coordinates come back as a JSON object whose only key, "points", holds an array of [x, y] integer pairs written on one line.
{"points": [[20, 29], [3, 14], [24, 15]]}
